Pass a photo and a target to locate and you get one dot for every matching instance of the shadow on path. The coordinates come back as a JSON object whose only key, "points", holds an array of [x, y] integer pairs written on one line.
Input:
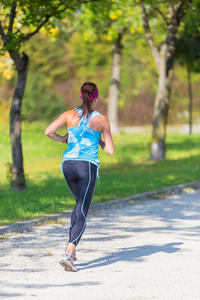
{"points": [[10, 295], [130, 254]]}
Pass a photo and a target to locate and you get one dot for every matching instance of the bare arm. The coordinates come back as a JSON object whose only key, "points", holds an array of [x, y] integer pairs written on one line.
{"points": [[107, 145], [53, 127]]}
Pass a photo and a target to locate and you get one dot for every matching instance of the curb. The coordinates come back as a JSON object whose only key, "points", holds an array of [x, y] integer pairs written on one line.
{"points": [[175, 189]]}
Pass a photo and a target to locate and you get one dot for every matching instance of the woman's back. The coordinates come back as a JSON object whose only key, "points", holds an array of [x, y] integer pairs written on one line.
{"points": [[83, 141], [95, 123]]}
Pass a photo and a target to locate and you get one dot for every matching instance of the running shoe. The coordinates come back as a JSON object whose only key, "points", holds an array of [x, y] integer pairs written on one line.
{"points": [[73, 254], [67, 262]]}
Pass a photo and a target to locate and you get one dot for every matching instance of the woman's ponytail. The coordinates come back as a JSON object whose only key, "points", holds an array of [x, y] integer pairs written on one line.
{"points": [[89, 92]]}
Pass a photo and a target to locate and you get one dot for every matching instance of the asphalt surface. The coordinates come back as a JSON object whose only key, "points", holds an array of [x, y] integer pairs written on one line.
{"points": [[142, 250]]}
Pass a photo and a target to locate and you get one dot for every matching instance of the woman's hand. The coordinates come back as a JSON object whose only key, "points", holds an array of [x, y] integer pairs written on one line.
{"points": [[65, 138], [101, 143]]}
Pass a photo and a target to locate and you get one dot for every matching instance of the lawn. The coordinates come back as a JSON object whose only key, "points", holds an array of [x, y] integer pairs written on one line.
{"points": [[127, 172]]}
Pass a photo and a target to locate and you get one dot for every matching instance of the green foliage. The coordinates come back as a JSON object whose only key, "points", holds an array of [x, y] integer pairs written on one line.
{"points": [[48, 57], [86, 54], [63, 66], [40, 101], [159, 16], [106, 21], [188, 44], [21, 19], [59, 66]]}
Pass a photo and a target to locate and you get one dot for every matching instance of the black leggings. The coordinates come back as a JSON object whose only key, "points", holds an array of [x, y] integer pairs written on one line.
{"points": [[81, 178]]}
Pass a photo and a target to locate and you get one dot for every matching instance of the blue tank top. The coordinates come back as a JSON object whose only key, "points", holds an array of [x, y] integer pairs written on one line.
{"points": [[83, 141]]}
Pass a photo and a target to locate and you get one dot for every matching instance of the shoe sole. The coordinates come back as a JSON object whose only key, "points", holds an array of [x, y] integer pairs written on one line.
{"points": [[68, 266]]}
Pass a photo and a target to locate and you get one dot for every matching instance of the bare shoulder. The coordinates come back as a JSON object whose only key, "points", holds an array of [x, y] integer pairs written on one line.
{"points": [[72, 117], [69, 113], [99, 123], [104, 120]]}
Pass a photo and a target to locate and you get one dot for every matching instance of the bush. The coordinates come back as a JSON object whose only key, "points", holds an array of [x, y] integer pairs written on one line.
{"points": [[41, 101]]}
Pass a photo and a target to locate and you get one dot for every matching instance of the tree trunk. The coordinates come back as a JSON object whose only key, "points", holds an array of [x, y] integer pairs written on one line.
{"points": [[164, 61], [161, 105], [114, 86], [190, 99], [17, 169]]}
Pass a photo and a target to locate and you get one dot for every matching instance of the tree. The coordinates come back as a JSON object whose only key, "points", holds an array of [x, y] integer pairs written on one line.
{"points": [[188, 55], [21, 20], [188, 51], [111, 22], [172, 13]]}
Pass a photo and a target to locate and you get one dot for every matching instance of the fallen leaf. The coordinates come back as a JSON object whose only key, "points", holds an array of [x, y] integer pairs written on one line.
{"points": [[3, 238]]}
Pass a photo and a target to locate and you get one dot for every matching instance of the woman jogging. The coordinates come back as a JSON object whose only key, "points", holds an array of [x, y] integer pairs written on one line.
{"points": [[80, 160]]}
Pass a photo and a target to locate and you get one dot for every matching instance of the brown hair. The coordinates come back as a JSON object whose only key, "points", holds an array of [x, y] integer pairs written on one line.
{"points": [[86, 90]]}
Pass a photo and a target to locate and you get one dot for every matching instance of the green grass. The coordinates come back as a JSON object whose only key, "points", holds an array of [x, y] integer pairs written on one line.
{"points": [[126, 173]]}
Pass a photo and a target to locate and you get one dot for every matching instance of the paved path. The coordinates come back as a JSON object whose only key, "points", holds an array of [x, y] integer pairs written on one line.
{"points": [[140, 251]]}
